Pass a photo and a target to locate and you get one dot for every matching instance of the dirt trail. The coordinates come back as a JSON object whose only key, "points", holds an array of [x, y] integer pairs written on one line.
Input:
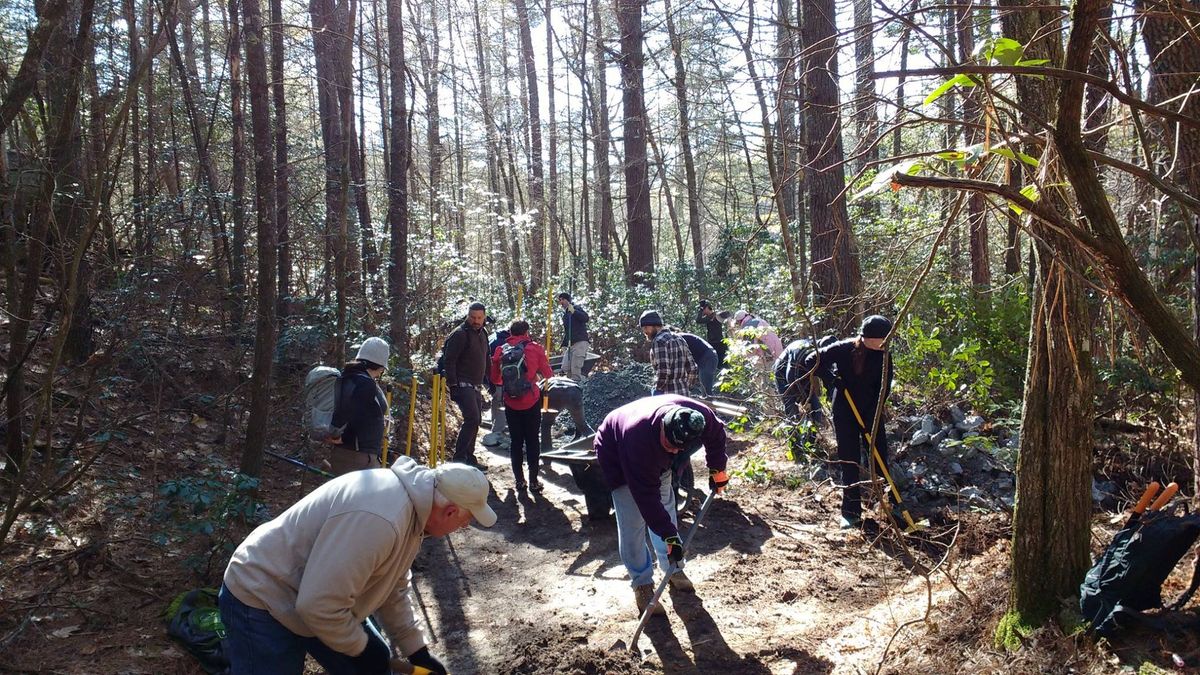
{"points": [[779, 588]]}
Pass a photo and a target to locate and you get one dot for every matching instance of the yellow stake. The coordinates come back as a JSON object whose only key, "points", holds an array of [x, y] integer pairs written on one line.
{"points": [[442, 422], [383, 450], [412, 414], [912, 527], [433, 420]]}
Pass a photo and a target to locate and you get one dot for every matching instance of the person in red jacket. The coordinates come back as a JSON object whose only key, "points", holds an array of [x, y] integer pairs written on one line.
{"points": [[515, 368]]}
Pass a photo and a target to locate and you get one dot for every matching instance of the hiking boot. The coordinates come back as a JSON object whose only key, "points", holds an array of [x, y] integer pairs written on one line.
{"points": [[642, 595], [535, 486], [680, 582]]}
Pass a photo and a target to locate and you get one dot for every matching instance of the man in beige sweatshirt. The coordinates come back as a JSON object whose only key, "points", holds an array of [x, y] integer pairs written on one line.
{"points": [[305, 582]]}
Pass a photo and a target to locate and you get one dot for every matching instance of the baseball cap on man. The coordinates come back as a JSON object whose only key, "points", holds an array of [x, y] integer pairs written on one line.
{"points": [[374, 350], [875, 326], [467, 487], [683, 427]]}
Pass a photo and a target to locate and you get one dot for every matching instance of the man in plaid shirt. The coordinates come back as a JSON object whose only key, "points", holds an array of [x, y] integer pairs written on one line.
{"points": [[669, 356]]}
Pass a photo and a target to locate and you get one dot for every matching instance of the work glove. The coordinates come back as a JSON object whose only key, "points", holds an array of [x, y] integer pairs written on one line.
{"points": [[717, 480], [424, 659], [674, 549], [375, 659]]}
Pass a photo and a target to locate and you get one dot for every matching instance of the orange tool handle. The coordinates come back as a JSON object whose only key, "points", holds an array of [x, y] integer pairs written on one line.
{"points": [[1147, 497], [1165, 497]]}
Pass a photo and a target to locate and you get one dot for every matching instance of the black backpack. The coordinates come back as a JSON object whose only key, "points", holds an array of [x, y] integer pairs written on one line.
{"points": [[1128, 577], [512, 370]]}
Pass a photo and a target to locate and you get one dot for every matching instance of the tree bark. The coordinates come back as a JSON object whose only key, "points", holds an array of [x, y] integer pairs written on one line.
{"points": [[836, 276], [552, 224], [279, 97], [601, 139], [398, 185], [537, 253], [238, 187], [264, 202], [637, 180]]}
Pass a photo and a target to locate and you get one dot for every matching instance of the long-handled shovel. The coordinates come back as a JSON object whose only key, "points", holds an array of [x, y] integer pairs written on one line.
{"points": [[302, 465], [912, 526], [662, 585]]}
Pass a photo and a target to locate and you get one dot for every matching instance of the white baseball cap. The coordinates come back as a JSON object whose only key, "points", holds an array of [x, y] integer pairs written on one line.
{"points": [[467, 487]]}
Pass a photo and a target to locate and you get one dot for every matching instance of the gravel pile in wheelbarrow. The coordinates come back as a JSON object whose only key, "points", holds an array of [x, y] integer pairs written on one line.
{"points": [[612, 389], [563, 650]]}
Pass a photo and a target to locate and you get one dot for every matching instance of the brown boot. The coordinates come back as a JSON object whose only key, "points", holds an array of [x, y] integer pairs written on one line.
{"points": [[680, 582], [642, 595]]}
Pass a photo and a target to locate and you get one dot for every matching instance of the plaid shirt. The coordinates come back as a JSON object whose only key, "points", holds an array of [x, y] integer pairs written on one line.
{"points": [[672, 363]]}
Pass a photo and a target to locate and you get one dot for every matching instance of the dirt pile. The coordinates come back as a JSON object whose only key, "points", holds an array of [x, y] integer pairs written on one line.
{"points": [[611, 389], [563, 650]]}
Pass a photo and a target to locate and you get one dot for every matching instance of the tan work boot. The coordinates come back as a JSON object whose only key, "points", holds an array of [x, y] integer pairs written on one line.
{"points": [[680, 582], [642, 595]]}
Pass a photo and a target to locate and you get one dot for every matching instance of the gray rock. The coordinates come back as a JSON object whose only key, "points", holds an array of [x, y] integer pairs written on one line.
{"points": [[956, 468], [1005, 484], [938, 437], [973, 495], [492, 439], [957, 414], [919, 438], [929, 425], [970, 424]]}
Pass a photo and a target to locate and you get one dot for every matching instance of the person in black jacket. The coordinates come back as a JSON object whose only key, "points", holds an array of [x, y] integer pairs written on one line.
{"points": [[855, 366], [575, 340], [714, 330], [795, 384], [466, 362], [362, 409]]}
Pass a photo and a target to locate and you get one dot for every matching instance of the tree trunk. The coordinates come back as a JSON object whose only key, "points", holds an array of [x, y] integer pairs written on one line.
{"points": [[1051, 525], [601, 139], [493, 153], [1174, 52], [398, 185], [552, 224], [972, 113], [786, 39], [685, 148], [329, 24], [264, 202], [637, 180], [866, 118], [238, 187], [279, 97], [537, 253], [836, 276]]}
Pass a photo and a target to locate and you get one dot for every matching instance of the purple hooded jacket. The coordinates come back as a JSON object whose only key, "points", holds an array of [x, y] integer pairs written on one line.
{"points": [[630, 452]]}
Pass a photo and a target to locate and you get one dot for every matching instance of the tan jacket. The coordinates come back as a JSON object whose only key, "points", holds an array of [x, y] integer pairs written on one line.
{"points": [[341, 553]]}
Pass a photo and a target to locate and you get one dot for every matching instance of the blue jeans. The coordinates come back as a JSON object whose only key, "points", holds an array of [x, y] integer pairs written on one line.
{"points": [[257, 644], [632, 530], [708, 372]]}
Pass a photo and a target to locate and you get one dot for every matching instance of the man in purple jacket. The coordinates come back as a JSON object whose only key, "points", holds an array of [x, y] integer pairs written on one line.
{"points": [[635, 446]]}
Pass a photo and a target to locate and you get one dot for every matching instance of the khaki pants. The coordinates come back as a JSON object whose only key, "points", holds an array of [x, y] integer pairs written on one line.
{"points": [[573, 358], [345, 460]]}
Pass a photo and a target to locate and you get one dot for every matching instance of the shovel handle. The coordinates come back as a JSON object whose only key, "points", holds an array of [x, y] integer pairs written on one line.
{"points": [[1147, 497], [1165, 497]]}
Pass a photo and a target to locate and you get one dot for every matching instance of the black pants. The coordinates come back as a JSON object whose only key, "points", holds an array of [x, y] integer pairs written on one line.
{"points": [[853, 453], [470, 402], [523, 426]]}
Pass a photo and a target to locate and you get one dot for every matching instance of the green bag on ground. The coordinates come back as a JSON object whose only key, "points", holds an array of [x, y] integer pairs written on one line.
{"points": [[195, 622]]}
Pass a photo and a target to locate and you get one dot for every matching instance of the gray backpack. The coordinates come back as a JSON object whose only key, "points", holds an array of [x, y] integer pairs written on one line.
{"points": [[322, 398]]}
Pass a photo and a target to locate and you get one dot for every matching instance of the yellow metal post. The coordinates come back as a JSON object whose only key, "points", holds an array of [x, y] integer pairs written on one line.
{"points": [[433, 420], [412, 415], [442, 422]]}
